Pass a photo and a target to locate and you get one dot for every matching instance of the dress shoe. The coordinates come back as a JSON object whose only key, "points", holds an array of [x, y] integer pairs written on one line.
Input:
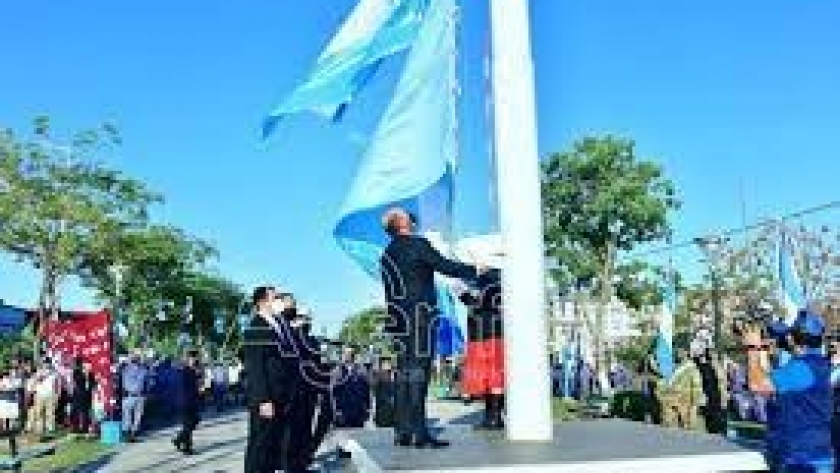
{"points": [[178, 445], [431, 443], [403, 441]]}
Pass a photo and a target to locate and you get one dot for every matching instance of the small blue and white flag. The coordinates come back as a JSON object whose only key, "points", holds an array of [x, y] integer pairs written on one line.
{"points": [[569, 364], [188, 311], [375, 30], [449, 336], [244, 319], [664, 350], [219, 323], [791, 291]]}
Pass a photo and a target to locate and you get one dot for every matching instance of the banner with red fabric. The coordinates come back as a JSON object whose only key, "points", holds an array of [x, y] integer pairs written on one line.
{"points": [[85, 335]]}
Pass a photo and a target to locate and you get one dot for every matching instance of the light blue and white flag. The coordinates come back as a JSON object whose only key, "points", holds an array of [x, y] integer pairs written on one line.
{"points": [[410, 162], [791, 291], [374, 30], [450, 337], [219, 323], [569, 364], [664, 350]]}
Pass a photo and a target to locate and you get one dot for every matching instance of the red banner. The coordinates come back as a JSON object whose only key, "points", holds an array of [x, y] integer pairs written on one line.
{"points": [[85, 335]]}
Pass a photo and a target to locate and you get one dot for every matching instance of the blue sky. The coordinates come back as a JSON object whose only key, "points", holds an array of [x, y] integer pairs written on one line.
{"points": [[726, 95]]}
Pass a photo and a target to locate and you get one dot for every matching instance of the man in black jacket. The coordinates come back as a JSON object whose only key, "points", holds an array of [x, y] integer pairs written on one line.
{"points": [[300, 442], [271, 382], [409, 265], [189, 403]]}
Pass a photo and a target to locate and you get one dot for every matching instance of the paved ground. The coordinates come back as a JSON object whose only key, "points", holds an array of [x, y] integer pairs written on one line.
{"points": [[589, 445], [219, 443], [220, 446]]}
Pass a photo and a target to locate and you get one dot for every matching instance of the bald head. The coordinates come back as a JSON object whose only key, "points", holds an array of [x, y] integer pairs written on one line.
{"points": [[397, 221]]}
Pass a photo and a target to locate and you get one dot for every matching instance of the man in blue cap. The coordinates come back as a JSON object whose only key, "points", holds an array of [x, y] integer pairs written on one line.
{"points": [[780, 354], [801, 395]]}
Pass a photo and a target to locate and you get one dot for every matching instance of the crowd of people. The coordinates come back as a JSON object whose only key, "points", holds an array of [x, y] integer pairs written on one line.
{"points": [[53, 395], [787, 379], [296, 393], [150, 392]]}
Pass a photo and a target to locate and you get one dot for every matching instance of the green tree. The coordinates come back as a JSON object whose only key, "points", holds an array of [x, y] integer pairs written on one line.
{"points": [[59, 200], [599, 199], [362, 328], [156, 260], [161, 264]]}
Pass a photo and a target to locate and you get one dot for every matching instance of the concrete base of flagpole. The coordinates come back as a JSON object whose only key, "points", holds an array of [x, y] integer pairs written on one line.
{"points": [[578, 446]]}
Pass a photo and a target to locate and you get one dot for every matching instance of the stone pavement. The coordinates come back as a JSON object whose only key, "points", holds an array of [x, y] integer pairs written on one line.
{"points": [[220, 446]]}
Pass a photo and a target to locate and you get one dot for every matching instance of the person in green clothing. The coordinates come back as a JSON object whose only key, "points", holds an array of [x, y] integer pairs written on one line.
{"points": [[683, 395]]}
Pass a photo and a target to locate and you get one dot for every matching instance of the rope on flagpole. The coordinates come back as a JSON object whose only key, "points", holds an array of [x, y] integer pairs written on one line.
{"points": [[454, 125], [490, 125]]}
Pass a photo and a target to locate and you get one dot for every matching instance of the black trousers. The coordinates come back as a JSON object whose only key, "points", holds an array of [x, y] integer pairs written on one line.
{"points": [[714, 417], [323, 421], [298, 433], [413, 370], [81, 416], [189, 422], [265, 442]]}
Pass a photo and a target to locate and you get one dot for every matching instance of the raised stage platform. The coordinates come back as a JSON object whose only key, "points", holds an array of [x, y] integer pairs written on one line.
{"points": [[581, 446]]}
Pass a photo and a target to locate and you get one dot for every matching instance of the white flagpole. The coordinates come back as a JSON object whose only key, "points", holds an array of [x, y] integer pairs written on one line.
{"points": [[528, 400]]}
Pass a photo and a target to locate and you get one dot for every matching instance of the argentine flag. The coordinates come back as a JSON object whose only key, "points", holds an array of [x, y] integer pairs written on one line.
{"points": [[791, 291], [374, 30], [410, 162], [664, 349]]}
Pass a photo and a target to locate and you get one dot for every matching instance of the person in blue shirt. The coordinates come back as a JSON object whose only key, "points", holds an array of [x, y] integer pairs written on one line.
{"points": [[801, 394], [780, 354], [834, 359]]}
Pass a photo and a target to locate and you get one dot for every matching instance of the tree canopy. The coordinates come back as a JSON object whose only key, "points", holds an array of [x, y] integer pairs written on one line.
{"points": [[600, 199], [66, 214], [362, 328]]}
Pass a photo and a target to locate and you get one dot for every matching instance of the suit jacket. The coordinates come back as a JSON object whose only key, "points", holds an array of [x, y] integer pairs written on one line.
{"points": [[190, 398], [409, 264], [316, 375], [271, 364]]}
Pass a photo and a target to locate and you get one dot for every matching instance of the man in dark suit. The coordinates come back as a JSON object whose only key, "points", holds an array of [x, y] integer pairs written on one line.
{"points": [[189, 403], [300, 442], [409, 265], [271, 382], [352, 394]]}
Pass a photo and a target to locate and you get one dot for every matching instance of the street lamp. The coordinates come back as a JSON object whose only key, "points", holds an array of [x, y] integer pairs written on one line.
{"points": [[712, 247], [117, 272]]}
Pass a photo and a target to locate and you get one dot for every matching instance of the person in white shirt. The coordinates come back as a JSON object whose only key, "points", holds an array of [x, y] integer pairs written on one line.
{"points": [[235, 383], [46, 387]]}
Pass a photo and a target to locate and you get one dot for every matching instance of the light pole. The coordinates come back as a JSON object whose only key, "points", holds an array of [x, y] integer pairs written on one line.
{"points": [[117, 272], [712, 248]]}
